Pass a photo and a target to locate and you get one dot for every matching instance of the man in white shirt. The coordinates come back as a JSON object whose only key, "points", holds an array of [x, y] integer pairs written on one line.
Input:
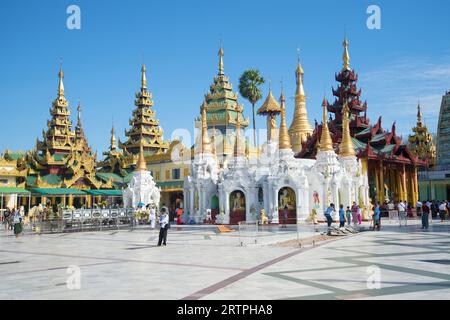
{"points": [[164, 226], [401, 210], [442, 211]]}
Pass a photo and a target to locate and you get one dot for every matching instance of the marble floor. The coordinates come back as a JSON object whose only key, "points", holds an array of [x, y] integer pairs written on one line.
{"points": [[199, 263]]}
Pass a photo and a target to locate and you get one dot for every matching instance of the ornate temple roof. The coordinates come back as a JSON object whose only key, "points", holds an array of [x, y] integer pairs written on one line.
{"points": [[369, 141], [145, 128], [223, 108], [270, 105]]}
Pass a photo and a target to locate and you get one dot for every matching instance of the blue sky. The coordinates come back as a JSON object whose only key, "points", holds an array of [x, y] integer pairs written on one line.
{"points": [[408, 59]]}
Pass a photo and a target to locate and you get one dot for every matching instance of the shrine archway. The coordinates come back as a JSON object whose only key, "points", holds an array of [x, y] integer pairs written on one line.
{"points": [[287, 206], [214, 207], [237, 207]]}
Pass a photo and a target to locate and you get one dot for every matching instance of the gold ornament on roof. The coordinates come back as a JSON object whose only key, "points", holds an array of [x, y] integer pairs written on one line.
{"points": [[300, 128], [141, 164], [326, 144], [346, 56], [347, 148], [284, 140]]}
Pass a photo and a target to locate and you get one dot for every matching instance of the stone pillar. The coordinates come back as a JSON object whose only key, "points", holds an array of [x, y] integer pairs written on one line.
{"points": [[227, 207], [275, 218]]}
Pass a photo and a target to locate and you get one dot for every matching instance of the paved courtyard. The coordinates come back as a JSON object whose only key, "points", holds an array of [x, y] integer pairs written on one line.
{"points": [[199, 263]]}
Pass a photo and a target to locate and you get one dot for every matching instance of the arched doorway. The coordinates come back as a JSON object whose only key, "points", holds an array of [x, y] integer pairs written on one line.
{"points": [[287, 206], [214, 207], [237, 207]]}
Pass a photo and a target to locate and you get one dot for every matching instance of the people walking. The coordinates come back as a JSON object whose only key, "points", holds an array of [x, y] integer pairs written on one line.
{"points": [[164, 225], [17, 222], [401, 210], [425, 215], [442, 211], [376, 217], [341, 216], [359, 215], [348, 215], [328, 215], [355, 213]]}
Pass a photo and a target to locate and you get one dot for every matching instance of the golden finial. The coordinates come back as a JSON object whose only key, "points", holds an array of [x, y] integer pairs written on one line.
{"points": [[347, 148], [284, 139], [326, 144], [346, 56], [419, 115], [141, 165], [221, 72], [113, 138], [143, 77], [61, 83], [79, 113], [206, 142]]}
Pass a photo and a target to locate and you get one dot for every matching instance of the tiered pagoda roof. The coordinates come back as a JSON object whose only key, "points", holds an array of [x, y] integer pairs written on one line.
{"points": [[370, 141], [421, 141], [63, 159], [145, 128], [222, 107]]}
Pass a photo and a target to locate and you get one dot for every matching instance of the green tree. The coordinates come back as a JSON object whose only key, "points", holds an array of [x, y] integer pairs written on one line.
{"points": [[250, 88]]}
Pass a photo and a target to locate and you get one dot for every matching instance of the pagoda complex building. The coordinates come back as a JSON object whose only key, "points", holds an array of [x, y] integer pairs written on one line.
{"points": [[434, 182], [62, 164], [164, 159], [391, 165]]}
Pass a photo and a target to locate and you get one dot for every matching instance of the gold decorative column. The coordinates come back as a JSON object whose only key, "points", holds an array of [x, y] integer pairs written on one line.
{"points": [[70, 204], [381, 195]]}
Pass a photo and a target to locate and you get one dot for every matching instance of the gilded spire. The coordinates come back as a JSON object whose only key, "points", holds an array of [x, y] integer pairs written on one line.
{"points": [[79, 114], [300, 127], [141, 164], [143, 77], [299, 77], [113, 138], [221, 72], [326, 143], [284, 140], [346, 56], [347, 148], [61, 83], [206, 142], [419, 115]]}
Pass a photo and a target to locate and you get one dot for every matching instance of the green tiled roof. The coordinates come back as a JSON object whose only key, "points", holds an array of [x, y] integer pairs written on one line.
{"points": [[52, 179], [13, 190], [104, 192], [367, 130], [59, 157], [170, 184], [359, 145], [56, 191], [378, 137]]}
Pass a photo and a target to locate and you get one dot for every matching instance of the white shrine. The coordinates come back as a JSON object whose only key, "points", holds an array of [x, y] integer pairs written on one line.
{"points": [[142, 188], [286, 188]]}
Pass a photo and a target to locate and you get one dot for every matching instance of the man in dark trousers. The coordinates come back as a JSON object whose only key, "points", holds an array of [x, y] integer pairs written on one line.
{"points": [[164, 225]]}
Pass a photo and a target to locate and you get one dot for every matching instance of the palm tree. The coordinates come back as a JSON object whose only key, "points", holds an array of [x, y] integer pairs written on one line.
{"points": [[249, 88]]}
